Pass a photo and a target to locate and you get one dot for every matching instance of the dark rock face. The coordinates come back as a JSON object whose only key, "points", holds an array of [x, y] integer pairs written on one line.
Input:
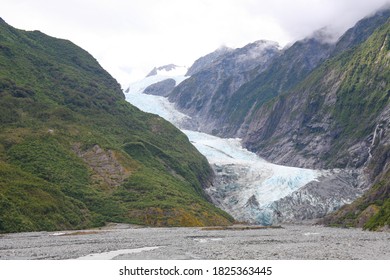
{"points": [[207, 61], [285, 72], [318, 123], [361, 31], [225, 95], [338, 116], [215, 78], [168, 67], [163, 88], [319, 198], [316, 104]]}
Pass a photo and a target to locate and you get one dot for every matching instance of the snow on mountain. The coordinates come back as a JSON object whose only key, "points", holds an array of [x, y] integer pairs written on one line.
{"points": [[157, 104], [157, 75], [169, 70], [246, 185]]}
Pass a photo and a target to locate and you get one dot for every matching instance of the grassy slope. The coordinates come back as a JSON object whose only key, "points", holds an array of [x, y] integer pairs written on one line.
{"points": [[57, 103]]}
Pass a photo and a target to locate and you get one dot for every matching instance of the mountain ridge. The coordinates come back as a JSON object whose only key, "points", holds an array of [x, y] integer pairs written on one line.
{"points": [[316, 104], [203, 94], [341, 137], [75, 154]]}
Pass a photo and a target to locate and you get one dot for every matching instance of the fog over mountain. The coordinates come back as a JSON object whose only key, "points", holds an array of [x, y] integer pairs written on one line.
{"points": [[131, 37], [318, 104]]}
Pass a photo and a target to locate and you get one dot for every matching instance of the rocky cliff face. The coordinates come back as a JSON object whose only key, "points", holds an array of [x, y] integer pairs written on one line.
{"points": [[331, 118], [319, 198], [320, 103], [215, 78], [316, 104], [337, 117], [162, 88], [208, 60], [229, 88], [361, 31], [285, 72]]}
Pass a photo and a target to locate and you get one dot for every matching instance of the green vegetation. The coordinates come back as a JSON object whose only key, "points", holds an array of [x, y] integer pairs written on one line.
{"points": [[28, 203], [285, 72], [338, 105], [75, 154], [363, 94], [349, 91], [364, 91], [381, 218]]}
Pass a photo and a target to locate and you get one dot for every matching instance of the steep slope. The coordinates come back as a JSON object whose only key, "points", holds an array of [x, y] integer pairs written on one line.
{"points": [[74, 153], [286, 71], [371, 211], [328, 117], [214, 81], [361, 31], [245, 185], [292, 67], [223, 94], [207, 61], [337, 117]]}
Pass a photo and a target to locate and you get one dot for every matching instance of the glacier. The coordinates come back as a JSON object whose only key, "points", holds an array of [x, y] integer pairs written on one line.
{"points": [[246, 186]]}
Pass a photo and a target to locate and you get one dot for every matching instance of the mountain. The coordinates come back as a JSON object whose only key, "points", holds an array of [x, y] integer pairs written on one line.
{"points": [[362, 30], [75, 154], [224, 94], [294, 64], [226, 106], [246, 186], [215, 79], [318, 104], [208, 60], [337, 117], [170, 70], [340, 104]]}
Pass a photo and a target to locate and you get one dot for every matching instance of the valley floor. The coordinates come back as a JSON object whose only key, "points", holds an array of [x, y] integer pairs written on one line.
{"points": [[131, 242]]}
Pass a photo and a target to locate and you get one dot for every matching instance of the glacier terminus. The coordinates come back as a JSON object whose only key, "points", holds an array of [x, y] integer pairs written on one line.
{"points": [[246, 186]]}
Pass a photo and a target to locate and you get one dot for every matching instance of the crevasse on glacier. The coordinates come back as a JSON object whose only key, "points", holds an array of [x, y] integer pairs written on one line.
{"points": [[246, 185]]}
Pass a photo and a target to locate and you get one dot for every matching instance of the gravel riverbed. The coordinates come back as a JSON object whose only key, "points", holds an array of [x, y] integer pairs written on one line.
{"points": [[131, 242]]}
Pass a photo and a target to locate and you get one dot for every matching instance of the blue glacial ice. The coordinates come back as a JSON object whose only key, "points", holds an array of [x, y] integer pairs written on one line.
{"points": [[246, 185]]}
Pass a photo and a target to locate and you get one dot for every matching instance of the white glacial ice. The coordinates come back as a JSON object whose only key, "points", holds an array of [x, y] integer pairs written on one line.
{"points": [[155, 104], [246, 185]]}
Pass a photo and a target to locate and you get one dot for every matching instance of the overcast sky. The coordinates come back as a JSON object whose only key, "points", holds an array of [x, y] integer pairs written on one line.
{"points": [[130, 37]]}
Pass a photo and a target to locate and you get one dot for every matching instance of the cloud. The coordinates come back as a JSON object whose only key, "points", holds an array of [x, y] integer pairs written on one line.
{"points": [[299, 18], [131, 37]]}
